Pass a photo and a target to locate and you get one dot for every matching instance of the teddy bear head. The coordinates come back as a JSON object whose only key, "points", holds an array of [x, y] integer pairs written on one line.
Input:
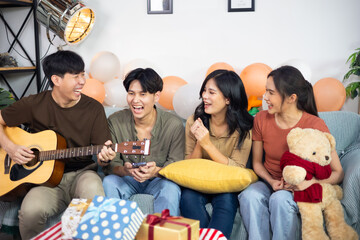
{"points": [[311, 145]]}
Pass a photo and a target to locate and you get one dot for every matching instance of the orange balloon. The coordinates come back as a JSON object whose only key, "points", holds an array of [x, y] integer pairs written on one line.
{"points": [[219, 65], [171, 85], [254, 78], [95, 89], [330, 94]]}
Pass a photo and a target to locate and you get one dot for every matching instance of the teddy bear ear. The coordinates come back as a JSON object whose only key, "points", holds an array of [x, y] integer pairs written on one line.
{"points": [[293, 136], [331, 140]]}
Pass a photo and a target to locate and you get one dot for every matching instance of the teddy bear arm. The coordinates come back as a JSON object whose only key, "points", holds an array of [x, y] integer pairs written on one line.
{"points": [[294, 174]]}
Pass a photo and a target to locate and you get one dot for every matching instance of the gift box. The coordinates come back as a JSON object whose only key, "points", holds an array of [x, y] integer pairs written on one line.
{"points": [[163, 226], [110, 218], [72, 216]]}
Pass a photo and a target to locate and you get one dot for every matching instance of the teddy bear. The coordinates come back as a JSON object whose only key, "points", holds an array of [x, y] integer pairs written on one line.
{"points": [[309, 156]]}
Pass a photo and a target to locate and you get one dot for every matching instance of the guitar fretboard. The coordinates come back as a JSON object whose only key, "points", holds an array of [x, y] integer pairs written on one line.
{"points": [[69, 152]]}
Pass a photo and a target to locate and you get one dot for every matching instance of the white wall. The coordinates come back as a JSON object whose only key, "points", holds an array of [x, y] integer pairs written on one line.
{"points": [[322, 33]]}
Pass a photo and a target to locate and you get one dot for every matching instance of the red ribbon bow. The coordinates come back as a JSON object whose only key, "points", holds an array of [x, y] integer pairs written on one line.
{"points": [[152, 220]]}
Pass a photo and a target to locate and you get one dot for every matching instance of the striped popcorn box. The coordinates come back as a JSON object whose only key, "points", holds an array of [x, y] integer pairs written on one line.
{"points": [[53, 233], [110, 218], [211, 234]]}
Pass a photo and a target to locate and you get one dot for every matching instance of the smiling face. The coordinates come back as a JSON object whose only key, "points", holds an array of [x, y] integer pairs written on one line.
{"points": [[214, 101], [272, 97], [67, 89], [141, 103]]}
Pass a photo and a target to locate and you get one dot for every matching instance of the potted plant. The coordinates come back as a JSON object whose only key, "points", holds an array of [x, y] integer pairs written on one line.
{"points": [[6, 98], [353, 89]]}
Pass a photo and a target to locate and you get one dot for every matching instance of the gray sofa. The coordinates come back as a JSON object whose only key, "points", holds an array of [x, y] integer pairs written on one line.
{"points": [[345, 126]]}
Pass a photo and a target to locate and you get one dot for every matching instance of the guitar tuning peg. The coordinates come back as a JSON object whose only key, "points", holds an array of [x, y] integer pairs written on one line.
{"points": [[126, 156]]}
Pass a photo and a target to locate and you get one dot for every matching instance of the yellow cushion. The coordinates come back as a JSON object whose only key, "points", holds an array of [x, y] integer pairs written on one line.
{"points": [[208, 176]]}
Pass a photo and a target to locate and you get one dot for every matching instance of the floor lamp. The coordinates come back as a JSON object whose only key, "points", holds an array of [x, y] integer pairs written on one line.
{"points": [[70, 20]]}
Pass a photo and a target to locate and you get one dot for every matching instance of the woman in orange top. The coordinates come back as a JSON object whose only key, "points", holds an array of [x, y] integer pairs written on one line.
{"points": [[267, 207]]}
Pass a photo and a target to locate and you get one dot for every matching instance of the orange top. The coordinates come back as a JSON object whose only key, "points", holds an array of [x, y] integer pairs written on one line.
{"points": [[274, 138]]}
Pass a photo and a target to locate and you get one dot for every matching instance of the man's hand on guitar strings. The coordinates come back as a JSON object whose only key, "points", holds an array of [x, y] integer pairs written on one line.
{"points": [[21, 154], [106, 154]]}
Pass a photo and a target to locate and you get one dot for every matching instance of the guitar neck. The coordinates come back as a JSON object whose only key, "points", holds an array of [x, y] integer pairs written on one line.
{"points": [[70, 152], [128, 148]]}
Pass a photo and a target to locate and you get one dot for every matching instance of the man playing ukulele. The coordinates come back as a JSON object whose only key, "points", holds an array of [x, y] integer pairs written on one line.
{"points": [[133, 174]]}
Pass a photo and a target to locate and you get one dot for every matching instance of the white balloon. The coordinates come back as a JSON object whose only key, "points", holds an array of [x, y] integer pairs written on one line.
{"points": [[115, 93], [264, 104], [139, 63], [302, 66], [186, 99], [105, 66]]}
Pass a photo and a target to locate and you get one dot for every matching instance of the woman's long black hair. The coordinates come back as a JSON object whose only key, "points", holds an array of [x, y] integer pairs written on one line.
{"points": [[288, 80], [237, 116]]}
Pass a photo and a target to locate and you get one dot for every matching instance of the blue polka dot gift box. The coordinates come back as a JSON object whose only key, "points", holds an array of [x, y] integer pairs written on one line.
{"points": [[109, 219]]}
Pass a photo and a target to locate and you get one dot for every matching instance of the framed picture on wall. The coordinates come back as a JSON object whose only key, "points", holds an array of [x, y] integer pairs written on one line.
{"points": [[159, 6], [241, 5]]}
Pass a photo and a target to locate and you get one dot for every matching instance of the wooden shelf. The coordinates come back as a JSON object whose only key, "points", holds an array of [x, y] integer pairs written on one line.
{"points": [[33, 68], [14, 3], [16, 69]]}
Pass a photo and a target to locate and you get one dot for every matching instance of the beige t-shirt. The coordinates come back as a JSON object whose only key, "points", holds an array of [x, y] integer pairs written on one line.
{"points": [[226, 144]]}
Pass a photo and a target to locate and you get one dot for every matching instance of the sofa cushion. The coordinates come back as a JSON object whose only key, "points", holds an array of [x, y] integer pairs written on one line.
{"points": [[344, 126], [208, 176]]}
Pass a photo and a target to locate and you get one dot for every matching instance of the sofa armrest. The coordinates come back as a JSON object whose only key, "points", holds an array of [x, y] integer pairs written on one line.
{"points": [[351, 187], [344, 126]]}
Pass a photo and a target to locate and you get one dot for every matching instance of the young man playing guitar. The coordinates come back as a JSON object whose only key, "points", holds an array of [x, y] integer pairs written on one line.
{"points": [[79, 119], [144, 121]]}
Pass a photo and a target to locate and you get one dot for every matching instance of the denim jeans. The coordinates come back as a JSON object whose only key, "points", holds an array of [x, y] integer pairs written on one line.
{"points": [[192, 205], [166, 193], [265, 212]]}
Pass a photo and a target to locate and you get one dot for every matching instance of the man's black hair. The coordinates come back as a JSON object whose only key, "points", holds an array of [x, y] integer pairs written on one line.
{"points": [[62, 62], [149, 80]]}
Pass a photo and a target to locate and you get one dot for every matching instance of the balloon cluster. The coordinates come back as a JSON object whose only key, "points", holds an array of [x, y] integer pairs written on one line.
{"points": [[183, 98], [329, 92], [104, 85]]}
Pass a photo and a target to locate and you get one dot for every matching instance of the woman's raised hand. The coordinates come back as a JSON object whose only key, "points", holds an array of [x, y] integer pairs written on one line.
{"points": [[200, 132]]}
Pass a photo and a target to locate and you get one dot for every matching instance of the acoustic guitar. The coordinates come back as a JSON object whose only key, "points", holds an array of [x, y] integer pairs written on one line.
{"points": [[47, 167]]}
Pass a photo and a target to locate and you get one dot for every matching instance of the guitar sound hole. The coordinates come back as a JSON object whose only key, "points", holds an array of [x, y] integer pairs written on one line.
{"points": [[35, 160]]}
